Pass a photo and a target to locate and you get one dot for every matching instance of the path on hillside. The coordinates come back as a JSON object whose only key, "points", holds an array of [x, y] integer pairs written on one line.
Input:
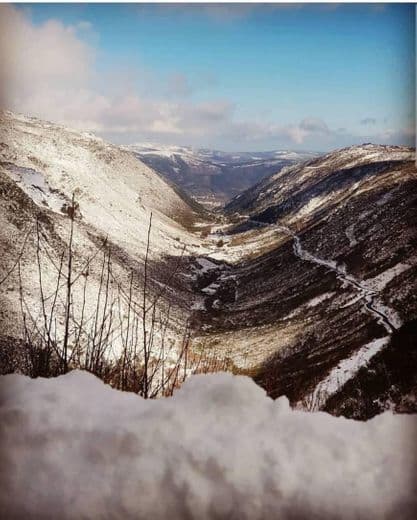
{"points": [[346, 368], [368, 295]]}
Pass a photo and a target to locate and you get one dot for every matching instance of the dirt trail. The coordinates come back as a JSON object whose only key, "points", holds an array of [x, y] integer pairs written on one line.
{"points": [[368, 295], [346, 368]]}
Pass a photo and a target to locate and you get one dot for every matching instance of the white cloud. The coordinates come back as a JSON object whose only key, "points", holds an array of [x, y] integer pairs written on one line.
{"points": [[32, 58], [50, 71], [297, 133], [314, 125]]}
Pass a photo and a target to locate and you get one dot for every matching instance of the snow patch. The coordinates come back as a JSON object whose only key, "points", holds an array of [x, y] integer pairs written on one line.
{"points": [[36, 187], [379, 282], [205, 265], [342, 373], [211, 289], [351, 236], [312, 205], [74, 448], [319, 299]]}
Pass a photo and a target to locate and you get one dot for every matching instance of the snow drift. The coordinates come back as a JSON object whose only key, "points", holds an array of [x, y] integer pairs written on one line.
{"points": [[73, 447]]}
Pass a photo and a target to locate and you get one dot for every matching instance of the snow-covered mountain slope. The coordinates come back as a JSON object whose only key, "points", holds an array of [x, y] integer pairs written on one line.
{"points": [[326, 274], [115, 191], [306, 280], [212, 176], [42, 165], [306, 186]]}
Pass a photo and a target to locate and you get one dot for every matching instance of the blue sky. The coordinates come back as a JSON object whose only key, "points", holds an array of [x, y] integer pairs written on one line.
{"points": [[238, 77]]}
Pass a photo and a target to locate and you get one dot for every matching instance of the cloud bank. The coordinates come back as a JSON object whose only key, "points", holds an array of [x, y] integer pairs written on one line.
{"points": [[50, 71]]}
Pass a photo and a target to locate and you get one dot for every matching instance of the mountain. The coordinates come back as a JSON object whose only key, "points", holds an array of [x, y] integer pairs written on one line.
{"points": [[212, 177], [306, 281], [317, 300], [42, 166]]}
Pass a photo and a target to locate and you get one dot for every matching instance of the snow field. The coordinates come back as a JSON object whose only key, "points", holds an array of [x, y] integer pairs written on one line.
{"points": [[75, 448]]}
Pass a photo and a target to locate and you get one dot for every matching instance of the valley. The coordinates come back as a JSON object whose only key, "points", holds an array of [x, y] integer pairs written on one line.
{"points": [[213, 177], [208, 261], [304, 281], [319, 306]]}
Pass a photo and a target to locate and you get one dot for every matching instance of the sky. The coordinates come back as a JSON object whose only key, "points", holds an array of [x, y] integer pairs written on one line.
{"points": [[246, 77]]}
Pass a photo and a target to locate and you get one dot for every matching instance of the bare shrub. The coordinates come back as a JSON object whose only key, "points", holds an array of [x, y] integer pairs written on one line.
{"points": [[65, 334]]}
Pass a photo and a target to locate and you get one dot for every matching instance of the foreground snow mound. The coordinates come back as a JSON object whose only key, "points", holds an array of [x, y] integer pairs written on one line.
{"points": [[74, 448]]}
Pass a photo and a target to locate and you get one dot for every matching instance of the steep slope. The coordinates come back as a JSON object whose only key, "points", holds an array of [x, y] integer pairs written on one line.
{"points": [[49, 162], [304, 186], [42, 166], [329, 277], [210, 176]]}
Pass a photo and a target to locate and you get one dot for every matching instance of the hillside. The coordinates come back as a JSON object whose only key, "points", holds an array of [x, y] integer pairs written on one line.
{"points": [[307, 282], [323, 277], [42, 166]]}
